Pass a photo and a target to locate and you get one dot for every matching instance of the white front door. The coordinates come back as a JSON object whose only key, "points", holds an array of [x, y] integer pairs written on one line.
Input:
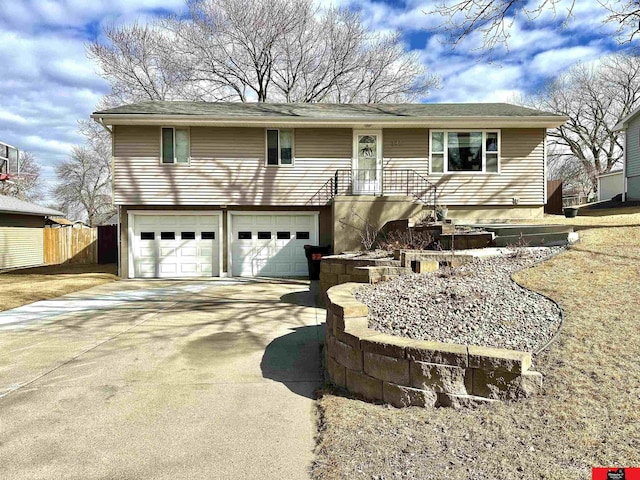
{"points": [[175, 245], [367, 163], [271, 244]]}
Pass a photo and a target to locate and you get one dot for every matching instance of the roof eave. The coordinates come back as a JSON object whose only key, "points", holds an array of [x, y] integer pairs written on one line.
{"points": [[33, 214], [622, 124], [538, 121]]}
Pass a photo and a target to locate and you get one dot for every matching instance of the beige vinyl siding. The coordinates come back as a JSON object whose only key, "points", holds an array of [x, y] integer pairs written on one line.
{"points": [[334, 143], [522, 168], [227, 167], [21, 241], [521, 175], [229, 143], [136, 141], [406, 148]]}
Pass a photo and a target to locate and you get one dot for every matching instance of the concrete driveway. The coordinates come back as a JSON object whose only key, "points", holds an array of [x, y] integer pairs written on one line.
{"points": [[162, 379]]}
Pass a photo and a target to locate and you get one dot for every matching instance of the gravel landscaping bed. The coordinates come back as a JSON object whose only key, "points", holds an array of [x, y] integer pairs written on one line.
{"points": [[476, 304]]}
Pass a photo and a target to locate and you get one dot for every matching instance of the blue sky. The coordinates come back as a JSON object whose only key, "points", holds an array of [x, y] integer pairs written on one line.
{"points": [[48, 83]]}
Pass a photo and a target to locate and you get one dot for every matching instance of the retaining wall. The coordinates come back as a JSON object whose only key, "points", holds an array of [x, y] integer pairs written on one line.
{"points": [[405, 372], [339, 269]]}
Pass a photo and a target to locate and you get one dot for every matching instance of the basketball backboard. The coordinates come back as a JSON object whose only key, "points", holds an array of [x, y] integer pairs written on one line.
{"points": [[9, 160]]}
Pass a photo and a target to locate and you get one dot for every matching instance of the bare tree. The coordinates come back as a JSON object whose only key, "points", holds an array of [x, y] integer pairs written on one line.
{"points": [[84, 187], [493, 19], [571, 171], [625, 13], [264, 50], [28, 185], [136, 63], [594, 98]]}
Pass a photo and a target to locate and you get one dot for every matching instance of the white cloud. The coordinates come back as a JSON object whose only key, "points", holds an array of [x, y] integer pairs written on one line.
{"points": [[51, 83], [554, 61], [473, 82]]}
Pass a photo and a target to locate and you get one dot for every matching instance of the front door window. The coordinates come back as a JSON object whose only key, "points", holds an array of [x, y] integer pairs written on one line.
{"points": [[368, 161]]}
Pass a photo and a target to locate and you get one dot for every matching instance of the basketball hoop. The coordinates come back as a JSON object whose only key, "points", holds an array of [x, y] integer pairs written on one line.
{"points": [[9, 162]]}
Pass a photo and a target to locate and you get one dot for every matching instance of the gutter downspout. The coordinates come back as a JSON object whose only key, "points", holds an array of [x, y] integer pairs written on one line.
{"points": [[624, 169], [101, 123]]}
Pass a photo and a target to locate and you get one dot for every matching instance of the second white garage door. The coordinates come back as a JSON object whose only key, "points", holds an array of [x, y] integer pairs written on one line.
{"points": [[271, 245]]}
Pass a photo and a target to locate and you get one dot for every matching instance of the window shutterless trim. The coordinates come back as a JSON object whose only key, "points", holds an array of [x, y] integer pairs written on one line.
{"points": [[175, 160], [445, 153], [266, 148]]}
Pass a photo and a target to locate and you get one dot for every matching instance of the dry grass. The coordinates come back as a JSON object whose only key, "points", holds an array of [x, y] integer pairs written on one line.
{"points": [[20, 287], [589, 414]]}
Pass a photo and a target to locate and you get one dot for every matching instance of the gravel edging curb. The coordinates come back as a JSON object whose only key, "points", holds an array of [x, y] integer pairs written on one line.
{"points": [[560, 309]]}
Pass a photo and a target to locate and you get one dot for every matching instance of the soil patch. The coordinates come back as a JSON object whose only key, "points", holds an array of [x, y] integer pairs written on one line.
{"points": [[21, 287]]}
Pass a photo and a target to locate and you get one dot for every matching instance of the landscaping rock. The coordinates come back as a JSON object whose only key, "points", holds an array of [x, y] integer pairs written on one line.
{"points": [[474, 304]]}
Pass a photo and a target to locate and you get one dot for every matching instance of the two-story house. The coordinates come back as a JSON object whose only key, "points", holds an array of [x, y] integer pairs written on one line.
{"points": [[215, 189]]}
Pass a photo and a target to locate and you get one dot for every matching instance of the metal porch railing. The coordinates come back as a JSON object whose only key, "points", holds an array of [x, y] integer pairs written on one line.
{"points": [[388, 181]]}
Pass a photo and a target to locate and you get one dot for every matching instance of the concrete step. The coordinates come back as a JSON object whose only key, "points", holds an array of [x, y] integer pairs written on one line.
{"points": [[536, 239], [510, 230]]}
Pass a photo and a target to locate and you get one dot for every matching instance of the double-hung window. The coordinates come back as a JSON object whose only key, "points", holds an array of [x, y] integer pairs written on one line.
{"points": [[465, 151], [279, 147], [175, 145]]}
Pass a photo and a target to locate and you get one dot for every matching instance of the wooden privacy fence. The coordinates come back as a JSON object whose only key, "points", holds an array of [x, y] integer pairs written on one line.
{"points": [[70, 245], [107, 244], [554, 197]]}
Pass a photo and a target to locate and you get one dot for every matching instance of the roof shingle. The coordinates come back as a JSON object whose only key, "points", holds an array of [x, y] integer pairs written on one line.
{"points": [[14, 205], [313, 111]]}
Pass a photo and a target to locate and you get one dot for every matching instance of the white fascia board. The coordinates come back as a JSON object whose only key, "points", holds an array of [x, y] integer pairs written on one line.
{"points": [[355, 122], [622, 124], [617, 172]]}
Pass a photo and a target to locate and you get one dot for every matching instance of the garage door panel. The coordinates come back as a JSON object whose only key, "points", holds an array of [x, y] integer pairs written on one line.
{"points": [[206, 269], [188, 268], [188, 251], [147, 268], [175, 255], [168, 268], [146, 252], [274, 256]]}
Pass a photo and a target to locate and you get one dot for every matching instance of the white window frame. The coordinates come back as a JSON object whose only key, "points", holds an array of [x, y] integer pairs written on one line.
{"points": [[445, 152], [266, 148], [175, 160]]}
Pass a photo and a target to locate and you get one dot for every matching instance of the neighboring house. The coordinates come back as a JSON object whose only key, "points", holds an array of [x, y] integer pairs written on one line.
{"points": [[58, 222], [22, 232], [631, 159], [208, 189], [610, 184]]}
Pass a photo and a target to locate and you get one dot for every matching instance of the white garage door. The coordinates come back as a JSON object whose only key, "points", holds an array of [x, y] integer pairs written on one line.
{"points": [[271, 245], [176, 246]]}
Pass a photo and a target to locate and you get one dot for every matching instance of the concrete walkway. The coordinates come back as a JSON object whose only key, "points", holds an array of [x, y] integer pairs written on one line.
{"points": [[161, 379]]}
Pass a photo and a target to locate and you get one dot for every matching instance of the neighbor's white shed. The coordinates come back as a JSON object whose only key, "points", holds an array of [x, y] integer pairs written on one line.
{"points": [[22, 232], [610, 184]]}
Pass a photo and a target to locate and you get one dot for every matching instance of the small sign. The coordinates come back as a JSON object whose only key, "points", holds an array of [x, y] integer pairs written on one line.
{"points": [[615, 473]]}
